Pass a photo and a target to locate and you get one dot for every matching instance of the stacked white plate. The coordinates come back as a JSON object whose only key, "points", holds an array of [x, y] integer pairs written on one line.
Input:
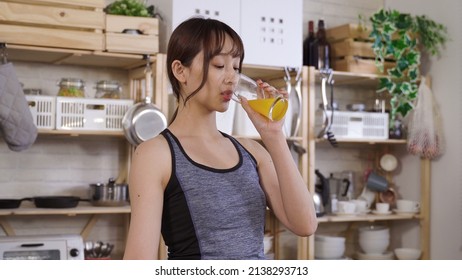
{"points": [[329, 247], [374, 239]]}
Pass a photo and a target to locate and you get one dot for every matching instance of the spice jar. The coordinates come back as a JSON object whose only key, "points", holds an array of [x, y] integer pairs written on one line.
{"points": [[108, 89], [71, 87]]}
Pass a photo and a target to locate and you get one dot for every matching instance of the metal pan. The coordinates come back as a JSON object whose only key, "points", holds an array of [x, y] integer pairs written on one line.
{"points": [[142, 122], [57, 201], [11, 203]]}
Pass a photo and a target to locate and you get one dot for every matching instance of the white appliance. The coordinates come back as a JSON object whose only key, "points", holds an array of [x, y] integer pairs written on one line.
{"points": [[42, 247]]}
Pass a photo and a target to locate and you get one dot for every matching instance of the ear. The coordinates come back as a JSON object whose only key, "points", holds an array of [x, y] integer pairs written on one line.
{"points": [[179, 71]]}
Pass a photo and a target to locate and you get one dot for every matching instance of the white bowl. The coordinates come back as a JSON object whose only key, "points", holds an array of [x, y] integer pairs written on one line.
{"points": [[329, 239], [334, 253], [374, 247], [407, 253], [385, 256], [268, 243]]}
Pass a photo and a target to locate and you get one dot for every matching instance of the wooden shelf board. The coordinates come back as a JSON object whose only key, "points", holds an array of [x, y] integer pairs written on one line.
{"points": [[80, 132], [348, 78], [79, 210], [364, 141], [60, 56], [367, 218]]}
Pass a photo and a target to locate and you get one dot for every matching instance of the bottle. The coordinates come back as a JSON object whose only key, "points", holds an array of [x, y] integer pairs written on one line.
{"points": [[308, 45], [322, 47]]}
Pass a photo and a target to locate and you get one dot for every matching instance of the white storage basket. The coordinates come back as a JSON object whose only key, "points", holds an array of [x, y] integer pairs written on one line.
{"points": [[90, 114], [356, 125], [43, 110]]}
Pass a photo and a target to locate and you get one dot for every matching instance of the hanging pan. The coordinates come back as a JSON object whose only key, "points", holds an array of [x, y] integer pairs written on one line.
{"points": [[143, 120]]}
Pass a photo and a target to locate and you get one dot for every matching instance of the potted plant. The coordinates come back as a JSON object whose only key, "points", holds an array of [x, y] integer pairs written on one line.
{"points": [[131, 27], [135, 8], [403, 38]]}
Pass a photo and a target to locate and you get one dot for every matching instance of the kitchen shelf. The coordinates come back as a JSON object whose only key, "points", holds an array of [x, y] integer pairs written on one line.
{"points": [[60, 56], [79, 210], [366, 141], [311, 86], [348, 78], [80, 132], [367, 218]]}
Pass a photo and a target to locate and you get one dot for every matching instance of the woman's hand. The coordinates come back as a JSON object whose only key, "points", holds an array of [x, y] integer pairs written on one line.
{"points": [[264, 125]]}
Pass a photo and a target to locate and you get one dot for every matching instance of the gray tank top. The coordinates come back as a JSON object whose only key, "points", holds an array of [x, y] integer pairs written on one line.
{"points": [[213, 213]]}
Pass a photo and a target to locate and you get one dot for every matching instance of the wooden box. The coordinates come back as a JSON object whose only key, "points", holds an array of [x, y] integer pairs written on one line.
{"points": [[146, 42], [359, 65], [351, 49], [75, 24]]}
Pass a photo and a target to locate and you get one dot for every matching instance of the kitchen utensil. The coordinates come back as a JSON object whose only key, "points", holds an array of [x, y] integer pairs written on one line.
{"points": [[11, 203], [327, 78], [388, 162], [339, 186], [144, 120], [111, 194], [269, 103], [356, 107], [376, 182], [56, 201], [292, 121], [321, 195]]}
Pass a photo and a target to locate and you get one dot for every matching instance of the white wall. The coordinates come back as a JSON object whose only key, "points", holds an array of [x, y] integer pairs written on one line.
{"points": [[446, 73]]}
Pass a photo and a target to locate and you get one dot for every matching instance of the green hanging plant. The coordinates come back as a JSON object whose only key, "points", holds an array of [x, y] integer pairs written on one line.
{"points": [[401, 37]]}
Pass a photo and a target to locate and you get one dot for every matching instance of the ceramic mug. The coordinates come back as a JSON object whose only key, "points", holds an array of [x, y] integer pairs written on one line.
{"points": [[346, 207], [404, 205], [382, 207], [362, 206], [376, 182]]}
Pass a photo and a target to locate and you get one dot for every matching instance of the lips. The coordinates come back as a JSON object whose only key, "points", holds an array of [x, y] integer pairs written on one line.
{"points": [[227, 95]]}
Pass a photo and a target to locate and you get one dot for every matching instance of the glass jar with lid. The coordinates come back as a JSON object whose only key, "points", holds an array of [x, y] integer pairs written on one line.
{"points": [[108, 89], [71, 87]]}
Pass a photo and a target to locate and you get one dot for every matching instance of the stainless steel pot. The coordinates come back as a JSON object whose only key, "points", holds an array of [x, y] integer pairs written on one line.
{"points": [[111, 194]]}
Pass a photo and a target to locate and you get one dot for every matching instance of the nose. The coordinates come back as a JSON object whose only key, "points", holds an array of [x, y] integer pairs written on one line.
{"points": [[232, 78]]}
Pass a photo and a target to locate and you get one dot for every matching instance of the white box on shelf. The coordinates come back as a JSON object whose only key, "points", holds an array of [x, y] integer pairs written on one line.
{"points": [[43, 110], [90, 113], [272, 30], [356, 125]]}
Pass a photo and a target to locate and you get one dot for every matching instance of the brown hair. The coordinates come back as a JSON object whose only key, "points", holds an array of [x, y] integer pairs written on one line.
{"points": [[190, 38]]}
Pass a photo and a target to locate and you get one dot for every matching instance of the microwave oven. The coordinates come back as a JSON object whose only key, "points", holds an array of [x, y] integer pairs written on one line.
{"points": [[42, 247]]}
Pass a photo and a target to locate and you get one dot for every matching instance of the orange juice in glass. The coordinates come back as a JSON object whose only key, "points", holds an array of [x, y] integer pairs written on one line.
{"points": [[272, 104]]}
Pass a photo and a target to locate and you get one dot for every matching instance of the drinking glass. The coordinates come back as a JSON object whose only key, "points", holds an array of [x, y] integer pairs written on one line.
{"points": [[270, 104]]}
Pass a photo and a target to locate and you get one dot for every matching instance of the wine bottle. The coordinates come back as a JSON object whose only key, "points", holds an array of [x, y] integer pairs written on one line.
{"points": [[322, 47], [308, 45]]}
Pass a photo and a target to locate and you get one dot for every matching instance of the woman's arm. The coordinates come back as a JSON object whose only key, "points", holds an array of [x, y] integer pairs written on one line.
{"points": [[149, 173], [286, 191]]}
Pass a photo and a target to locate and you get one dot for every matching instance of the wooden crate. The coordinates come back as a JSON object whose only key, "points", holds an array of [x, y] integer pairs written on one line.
{"points": [[359, 65], [351, 47], [348, 31], [145, 43], [75, 24]]}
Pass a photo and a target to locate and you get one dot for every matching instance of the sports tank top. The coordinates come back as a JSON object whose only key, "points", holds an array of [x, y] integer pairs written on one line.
{"points": [[213, 213]]}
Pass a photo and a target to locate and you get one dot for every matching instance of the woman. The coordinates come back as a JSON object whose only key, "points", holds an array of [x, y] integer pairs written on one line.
{"points": [[204, 190]]}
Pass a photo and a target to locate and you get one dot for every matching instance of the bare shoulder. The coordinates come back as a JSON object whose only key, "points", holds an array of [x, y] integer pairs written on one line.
{"points": [[152, 161], [254, 147]]}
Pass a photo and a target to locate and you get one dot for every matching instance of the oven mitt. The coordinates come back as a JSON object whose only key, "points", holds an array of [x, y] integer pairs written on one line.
{"points": [[16, 122]]}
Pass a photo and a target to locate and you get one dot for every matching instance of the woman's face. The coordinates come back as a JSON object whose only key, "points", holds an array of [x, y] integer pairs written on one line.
{"points": [[222, 79]]}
